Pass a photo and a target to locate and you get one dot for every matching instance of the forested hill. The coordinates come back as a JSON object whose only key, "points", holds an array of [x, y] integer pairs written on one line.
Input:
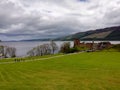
{"points": [[110, 33]]}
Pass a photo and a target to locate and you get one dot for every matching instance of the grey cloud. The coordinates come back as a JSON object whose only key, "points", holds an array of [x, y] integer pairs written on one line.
{"points": [[30, 19]]}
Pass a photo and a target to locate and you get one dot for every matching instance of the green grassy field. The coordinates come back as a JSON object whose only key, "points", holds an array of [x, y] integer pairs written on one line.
{"points": [[83, 71], [28, 58]]}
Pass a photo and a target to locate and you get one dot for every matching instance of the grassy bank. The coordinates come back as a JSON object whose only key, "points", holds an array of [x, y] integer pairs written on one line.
{"points": [[84, 71]]}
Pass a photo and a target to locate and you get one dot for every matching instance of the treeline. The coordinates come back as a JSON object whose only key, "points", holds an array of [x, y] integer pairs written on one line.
{"points": [[115, 47], [66, 48], [47, 49], [51, 48], [41, 50], [44, 49], [6, 51]]}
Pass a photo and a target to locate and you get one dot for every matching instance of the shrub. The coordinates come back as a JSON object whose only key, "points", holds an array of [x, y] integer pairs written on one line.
{"points": [[74, 49], [65, 48]]}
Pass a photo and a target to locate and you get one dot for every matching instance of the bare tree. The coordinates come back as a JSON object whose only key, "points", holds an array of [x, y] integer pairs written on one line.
{"points": [[6, 51], [11, 51], [1, 51], [54, 46], [47, 48], [30, 53], [44, 49]]}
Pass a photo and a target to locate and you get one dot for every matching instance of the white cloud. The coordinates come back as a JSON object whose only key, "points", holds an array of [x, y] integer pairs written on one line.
{"points": [[45, 18]]}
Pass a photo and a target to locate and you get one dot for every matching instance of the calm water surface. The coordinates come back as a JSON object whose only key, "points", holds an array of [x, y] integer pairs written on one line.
{"points": [[24, 47]]}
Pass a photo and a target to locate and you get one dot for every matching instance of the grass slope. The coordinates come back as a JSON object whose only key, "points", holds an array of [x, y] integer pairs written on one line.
{"points": [[85, 71]]}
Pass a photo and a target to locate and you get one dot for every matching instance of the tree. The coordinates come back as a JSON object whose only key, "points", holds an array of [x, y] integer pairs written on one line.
{"points": [[47, 49], [11, 51], [54, 46], [6, 51], [44, 49], [65, 48], [30, 53], [1, 51]]}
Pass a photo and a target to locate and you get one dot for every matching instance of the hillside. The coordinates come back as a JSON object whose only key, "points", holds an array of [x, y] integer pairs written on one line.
{"points": [[110, 33]]}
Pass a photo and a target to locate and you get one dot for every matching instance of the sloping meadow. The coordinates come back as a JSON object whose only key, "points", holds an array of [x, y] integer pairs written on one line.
{"points": [[82, 71]]}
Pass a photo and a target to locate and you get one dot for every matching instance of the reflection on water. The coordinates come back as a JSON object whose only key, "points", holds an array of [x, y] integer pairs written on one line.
{"points": [[24, 47]]}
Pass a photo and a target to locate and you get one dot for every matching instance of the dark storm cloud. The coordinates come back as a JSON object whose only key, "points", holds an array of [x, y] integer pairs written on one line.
{"points": [[30, 19]]}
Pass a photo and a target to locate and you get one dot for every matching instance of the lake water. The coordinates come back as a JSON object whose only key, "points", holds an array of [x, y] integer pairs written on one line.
{"points": [[23, 47]]}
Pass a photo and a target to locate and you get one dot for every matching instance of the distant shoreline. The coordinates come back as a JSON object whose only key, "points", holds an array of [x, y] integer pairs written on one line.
{"points": [[56, 40]]}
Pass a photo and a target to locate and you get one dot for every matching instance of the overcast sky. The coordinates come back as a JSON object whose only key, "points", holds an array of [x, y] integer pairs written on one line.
{"points": [[36, 19]]}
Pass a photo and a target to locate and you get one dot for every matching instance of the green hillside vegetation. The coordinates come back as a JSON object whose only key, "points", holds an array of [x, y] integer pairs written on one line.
{"points": [[115, 47], [110, 33], [98, 35], [82, 71], [71, 37], [115, 34]]}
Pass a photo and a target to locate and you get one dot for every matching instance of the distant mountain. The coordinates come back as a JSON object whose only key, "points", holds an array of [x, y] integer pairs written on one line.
{"points": [[110, 33], [36, 40]]}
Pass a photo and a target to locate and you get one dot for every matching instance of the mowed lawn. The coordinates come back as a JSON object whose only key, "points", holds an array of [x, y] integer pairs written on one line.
{"points": [[83, 71]]}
